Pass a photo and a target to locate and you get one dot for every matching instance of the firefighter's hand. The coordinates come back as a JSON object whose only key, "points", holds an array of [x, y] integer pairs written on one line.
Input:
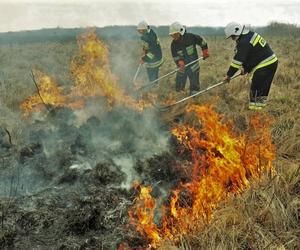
{"points": [[141, 61], [226, 79], [205, 54], [181, 65]]}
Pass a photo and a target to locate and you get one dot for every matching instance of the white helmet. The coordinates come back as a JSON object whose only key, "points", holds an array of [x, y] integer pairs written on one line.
{"points": [[235, 29], [176, 27], [143, 25]]}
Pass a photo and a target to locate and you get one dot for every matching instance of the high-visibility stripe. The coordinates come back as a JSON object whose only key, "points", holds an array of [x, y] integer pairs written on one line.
{"points": [[180, 52], [177, 58], [145, 45], [271, 59], [195, 66], [190, 50], [253, 38], [253, 106], [155, 64], [234, 65], [150, 55], [259, 104], [237, 62], [256, 40]]}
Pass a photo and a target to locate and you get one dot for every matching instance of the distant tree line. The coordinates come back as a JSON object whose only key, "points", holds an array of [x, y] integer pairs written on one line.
{"points": [[281, 29], [129, 32]]}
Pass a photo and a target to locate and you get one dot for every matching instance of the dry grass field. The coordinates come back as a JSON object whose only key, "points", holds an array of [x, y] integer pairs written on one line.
{"points": [[265, 216]]}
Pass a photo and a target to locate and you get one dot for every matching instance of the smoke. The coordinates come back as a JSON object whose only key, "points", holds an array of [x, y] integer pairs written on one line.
{"points": [[125, 59], [125, 136], [63, 141]]}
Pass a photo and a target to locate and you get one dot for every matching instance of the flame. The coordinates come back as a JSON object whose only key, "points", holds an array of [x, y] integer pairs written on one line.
{"points": [[145, 213], [92, 77], [91, 69], [92, 74], [48, 94], [223, 164]]}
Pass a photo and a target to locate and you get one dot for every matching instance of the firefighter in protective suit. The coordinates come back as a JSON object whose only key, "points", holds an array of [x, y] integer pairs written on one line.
{"points": [[184, 51], [152, 58], [254, 56]]}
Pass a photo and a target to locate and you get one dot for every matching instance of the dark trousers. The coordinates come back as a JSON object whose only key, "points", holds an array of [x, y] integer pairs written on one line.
{"points": [[181, 78], [261, 82], [152, 73]]}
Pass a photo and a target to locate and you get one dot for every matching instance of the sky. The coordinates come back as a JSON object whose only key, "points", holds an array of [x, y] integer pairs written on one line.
{"points": [[16, 15]]}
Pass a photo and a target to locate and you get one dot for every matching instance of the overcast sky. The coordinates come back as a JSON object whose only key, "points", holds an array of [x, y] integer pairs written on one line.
{"points": [[36, 14]]}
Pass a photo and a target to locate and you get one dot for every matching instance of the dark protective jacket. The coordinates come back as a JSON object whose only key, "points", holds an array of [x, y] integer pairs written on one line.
{"points": [[151, 46], [252, 52], [185, 48]]}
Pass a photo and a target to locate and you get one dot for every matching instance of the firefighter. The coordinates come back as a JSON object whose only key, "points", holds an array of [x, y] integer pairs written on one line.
{"points": [[184, 51], [152, 58], [255, 57]]}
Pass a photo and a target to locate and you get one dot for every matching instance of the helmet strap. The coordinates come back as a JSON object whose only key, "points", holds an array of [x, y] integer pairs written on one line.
{"points": [[242, 31]]}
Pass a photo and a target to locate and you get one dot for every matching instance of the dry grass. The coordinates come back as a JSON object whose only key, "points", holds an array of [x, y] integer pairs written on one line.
{"points": [[265, 216]]}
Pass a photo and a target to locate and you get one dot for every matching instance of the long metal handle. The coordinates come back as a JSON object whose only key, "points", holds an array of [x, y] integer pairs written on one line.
{"points": [[136, 73], [198, 93], [149, 84]]}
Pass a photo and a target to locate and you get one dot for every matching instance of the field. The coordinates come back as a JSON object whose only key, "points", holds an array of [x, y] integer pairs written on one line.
{"points": [[264, 216]]}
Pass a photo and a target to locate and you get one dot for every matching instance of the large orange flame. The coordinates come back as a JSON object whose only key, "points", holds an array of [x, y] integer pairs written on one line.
{"points": [[92, 77], [224, 163], [91, 69], [92, 74]]}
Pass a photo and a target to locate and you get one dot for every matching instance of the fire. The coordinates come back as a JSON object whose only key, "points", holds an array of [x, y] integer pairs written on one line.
{"points": [[223, 164], [92, 77], [92, 74], [145, 213], [91, 69], [48, 94]]}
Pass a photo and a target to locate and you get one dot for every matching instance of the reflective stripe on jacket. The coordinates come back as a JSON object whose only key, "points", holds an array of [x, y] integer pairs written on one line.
{"points": [[152, 49], [185, 49], [252, 52]]}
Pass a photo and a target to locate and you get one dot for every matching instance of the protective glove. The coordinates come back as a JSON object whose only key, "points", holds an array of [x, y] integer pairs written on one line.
{"points": [[226, 79], [205, 54], [181, 65]]}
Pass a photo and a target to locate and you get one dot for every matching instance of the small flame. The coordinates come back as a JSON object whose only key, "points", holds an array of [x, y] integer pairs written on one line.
{"points": [[223, 164], [48, 94], [145, 206]]}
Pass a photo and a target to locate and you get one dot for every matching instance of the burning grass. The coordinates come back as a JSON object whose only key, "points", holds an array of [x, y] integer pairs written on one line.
{"points": [[223, 165], [92, 77]]}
